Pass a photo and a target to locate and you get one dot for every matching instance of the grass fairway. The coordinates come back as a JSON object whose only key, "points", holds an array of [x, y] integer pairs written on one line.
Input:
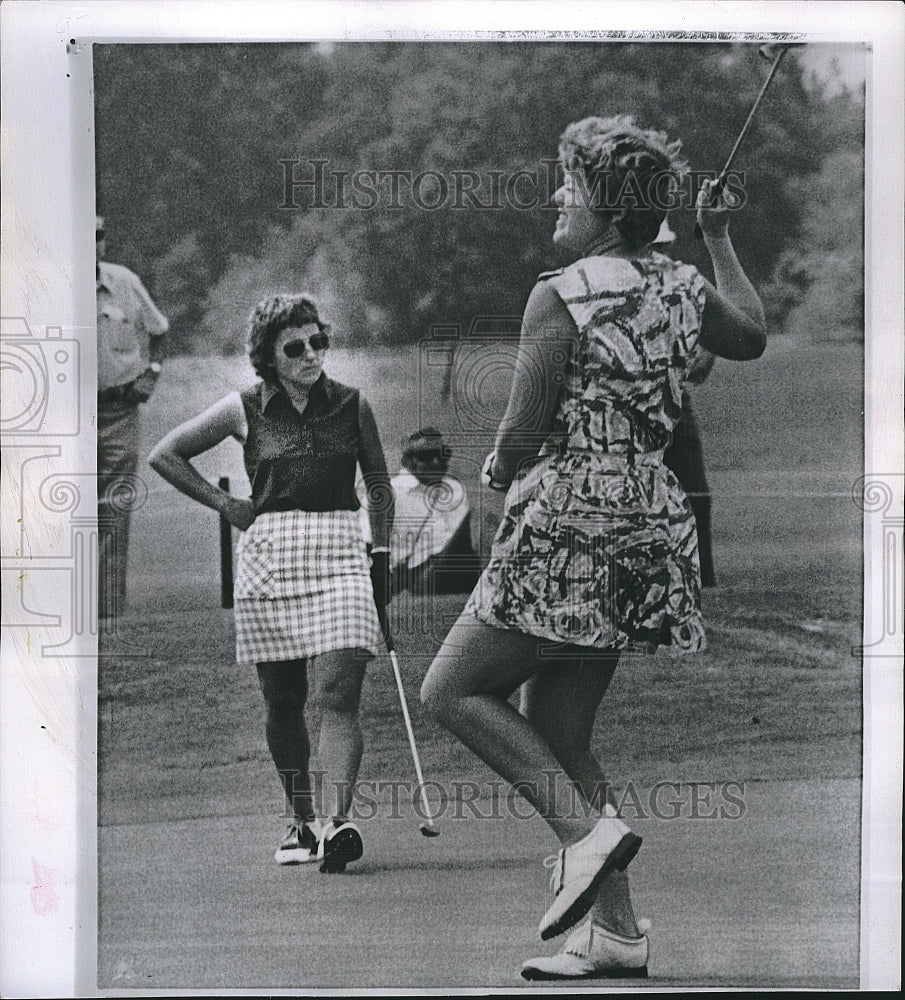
{"points": [[775, 699]]}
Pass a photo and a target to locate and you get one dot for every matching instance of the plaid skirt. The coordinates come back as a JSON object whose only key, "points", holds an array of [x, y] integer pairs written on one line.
{"points": [[303, 587]]}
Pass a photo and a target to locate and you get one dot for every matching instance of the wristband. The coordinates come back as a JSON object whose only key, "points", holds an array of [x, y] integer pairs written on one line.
{"points": [[375, 549]]}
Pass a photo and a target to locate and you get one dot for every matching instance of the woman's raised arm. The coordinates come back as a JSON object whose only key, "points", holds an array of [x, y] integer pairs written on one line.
{"points": [[733, 325]]}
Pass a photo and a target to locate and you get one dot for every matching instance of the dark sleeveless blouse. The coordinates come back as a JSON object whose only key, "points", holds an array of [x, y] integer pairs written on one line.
{"points": [[302, 461]]}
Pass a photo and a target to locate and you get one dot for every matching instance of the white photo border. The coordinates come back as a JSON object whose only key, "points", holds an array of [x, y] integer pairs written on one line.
{"points": [[48, 724]]}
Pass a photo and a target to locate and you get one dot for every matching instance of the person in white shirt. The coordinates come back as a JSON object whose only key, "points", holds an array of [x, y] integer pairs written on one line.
{"points": [[130, 348], [431, 549]]}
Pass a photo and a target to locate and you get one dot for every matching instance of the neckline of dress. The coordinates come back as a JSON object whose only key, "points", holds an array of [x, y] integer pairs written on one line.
{"points": [[607, 244]]}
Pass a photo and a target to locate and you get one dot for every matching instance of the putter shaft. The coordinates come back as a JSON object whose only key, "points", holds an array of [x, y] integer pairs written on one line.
{"points": [[411, 735]]}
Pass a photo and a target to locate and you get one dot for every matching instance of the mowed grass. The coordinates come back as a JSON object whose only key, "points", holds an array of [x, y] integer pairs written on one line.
{"points": [[777, 694]]}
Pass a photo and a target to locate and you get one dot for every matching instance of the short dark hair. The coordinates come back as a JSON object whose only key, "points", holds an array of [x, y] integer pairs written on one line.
{"points": [[426, 439], [270, 317], [606, 151]]}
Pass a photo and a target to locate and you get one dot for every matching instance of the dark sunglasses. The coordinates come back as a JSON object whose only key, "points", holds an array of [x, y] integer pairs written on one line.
{"points": [[429, 454], [296, 348]]}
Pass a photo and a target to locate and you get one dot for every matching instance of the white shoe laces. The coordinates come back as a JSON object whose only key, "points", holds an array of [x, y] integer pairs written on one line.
{"points": [[555, 862], [579, 941], [293, 831]]}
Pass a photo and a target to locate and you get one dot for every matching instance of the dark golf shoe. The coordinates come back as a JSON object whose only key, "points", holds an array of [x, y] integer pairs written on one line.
{"points": [[340, 843]]}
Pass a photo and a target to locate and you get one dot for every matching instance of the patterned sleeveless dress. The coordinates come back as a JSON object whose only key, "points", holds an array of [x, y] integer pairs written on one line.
{"points": [[597, 545]]}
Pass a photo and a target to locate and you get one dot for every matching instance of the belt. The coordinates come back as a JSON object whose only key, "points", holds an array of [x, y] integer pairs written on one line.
{"points": [[617, 461], [115, 394]]}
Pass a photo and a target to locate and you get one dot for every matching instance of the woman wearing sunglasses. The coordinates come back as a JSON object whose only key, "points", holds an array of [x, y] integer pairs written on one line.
{"points": [[303, 588]]}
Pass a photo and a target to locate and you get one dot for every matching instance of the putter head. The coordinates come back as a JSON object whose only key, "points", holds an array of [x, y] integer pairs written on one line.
{"points": [[429, 831]]}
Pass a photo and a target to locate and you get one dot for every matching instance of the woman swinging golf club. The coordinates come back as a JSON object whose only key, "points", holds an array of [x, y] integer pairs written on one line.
{"points": [[302, 589], [596, 550]]}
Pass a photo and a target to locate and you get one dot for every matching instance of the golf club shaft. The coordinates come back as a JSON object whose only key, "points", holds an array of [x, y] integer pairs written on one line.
{"points": [[411, 735], [721, 180], [752, 112]]}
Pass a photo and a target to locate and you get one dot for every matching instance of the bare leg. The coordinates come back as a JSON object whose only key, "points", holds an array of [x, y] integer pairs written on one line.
{"points": [[338, 679], [466, 691], [284, 685], [561, 702]]}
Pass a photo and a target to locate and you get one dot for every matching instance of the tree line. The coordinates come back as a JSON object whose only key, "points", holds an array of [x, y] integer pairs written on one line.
{"points": [[199, 147]]}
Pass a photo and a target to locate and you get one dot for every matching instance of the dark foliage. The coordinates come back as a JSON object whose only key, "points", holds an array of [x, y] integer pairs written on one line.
{"points": [[190, 139]]}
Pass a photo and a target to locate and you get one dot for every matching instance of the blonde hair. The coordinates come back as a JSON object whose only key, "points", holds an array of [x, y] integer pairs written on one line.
{"points": [[609, 153]]}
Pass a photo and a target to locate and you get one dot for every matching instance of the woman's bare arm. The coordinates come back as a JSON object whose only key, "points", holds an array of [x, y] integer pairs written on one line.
{"points": [[733, 324], [171, 457], [376, 478], [548, 337]]}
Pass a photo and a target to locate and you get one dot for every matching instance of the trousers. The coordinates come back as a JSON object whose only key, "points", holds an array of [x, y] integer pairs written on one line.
{"points": [[117, 461]]}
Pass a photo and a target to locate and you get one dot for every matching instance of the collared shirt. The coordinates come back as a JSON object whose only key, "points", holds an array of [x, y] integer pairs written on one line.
{"points": [[425, 520], [302, 461], [126, 320]]}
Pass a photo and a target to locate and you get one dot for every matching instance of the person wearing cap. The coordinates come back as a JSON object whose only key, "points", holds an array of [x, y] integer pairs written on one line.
{"points": [[130, 348]]}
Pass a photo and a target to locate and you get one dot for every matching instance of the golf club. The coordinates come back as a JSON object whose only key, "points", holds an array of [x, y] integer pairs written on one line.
{"points": [[427, 828], [766, 51]]}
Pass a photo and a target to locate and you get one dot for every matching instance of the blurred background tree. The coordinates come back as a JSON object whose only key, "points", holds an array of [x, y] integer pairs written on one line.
{"points": [[817, 288], [189, 139]]}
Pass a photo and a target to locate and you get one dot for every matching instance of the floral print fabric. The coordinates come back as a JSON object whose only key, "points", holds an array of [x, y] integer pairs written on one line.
{"points": [[597, 545]]}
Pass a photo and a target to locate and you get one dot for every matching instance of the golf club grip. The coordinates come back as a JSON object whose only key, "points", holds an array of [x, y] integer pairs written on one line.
{"points": [[717, 191], [411, 735], [387, 634], [699, 233]]}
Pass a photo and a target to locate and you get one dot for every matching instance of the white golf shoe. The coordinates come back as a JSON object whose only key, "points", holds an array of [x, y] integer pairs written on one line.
{"points": [[299, 845], [592, 952], [580, 868]]}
